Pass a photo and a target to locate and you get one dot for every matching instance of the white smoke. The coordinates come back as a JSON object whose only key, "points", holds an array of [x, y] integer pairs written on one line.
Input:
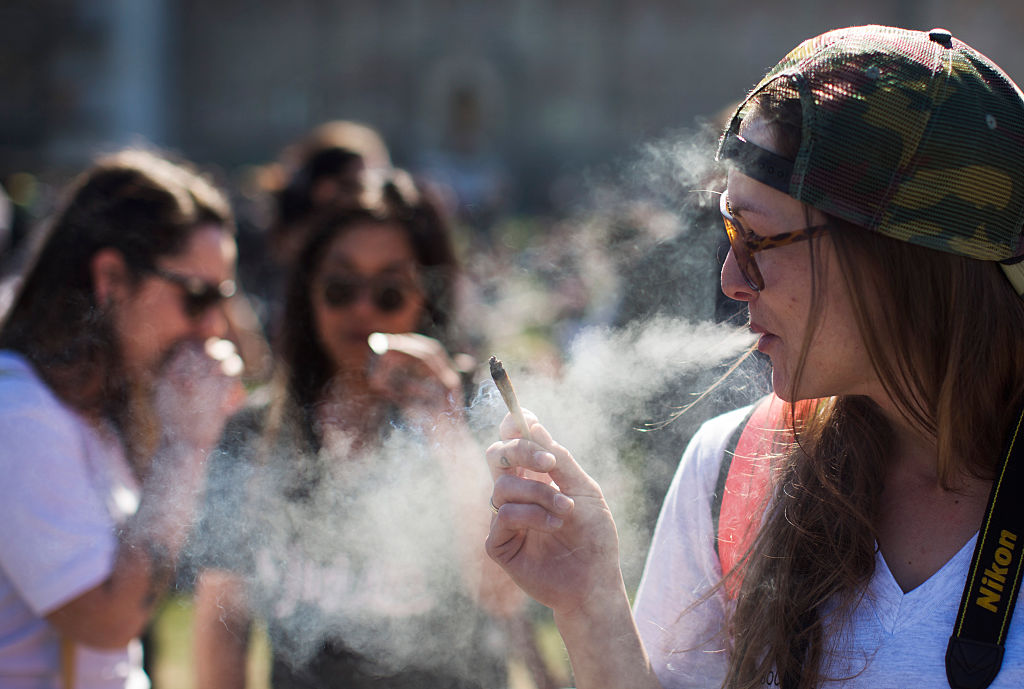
{"points": [[369, 556], [617, 387]]}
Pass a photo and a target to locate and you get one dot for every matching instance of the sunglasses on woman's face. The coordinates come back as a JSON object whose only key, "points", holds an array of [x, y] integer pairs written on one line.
{"points": [[386, 294], [198, 295], [745, 243]]}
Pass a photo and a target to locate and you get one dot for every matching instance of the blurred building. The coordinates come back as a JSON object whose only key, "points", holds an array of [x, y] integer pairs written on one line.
{"points": [[553, 86]]}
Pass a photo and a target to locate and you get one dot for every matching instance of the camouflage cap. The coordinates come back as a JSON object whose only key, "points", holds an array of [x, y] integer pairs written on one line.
{"points": [[911, 134]]}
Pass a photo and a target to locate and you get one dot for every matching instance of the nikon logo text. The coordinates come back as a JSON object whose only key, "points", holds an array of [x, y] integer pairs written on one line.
{"points": [[993, 580]]}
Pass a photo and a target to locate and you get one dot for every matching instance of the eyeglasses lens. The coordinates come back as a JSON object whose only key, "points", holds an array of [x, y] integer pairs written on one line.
{"points": [[340, 294], [197, 304], [198, 296], [389, 299], [202, 296], [740, 249], [385, 297]]}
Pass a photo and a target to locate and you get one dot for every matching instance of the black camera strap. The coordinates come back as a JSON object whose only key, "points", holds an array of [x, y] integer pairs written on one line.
{"points": [[975, 650]]}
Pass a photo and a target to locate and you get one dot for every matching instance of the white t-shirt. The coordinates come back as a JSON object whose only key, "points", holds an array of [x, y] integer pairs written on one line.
{"points": [[895, 640], [64, 487]]}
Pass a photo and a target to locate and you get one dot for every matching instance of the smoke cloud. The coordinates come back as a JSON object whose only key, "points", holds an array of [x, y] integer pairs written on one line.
{"points": [[606, 326], [617, 396]]}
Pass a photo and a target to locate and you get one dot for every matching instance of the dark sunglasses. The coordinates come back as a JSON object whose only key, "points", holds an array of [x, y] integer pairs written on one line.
{"points": [[386, 294], [745, 243], [198, 295]]}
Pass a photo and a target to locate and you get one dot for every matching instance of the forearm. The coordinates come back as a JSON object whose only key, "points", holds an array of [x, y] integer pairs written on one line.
{"points": [[222, 626], [118, 610], [604, 645], [555, 537]]}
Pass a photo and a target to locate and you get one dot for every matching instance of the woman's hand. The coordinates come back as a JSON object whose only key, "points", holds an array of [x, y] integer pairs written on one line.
{"points": [[559, 544], [416, 374], [198, 389], [553, 532]]}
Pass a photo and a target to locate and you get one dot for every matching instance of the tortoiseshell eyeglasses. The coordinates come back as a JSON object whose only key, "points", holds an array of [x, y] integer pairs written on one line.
{"points": [[745, 243]]}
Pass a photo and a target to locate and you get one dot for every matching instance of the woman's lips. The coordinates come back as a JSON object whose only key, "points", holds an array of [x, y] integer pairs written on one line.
{"points": [[358, 337], [766, 340]]}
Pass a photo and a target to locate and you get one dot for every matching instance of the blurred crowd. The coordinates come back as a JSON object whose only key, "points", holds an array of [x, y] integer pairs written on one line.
{"points": [[280, 335], [575, 263]]}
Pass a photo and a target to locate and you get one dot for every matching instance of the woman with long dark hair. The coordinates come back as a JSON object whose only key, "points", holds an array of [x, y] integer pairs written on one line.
{"points": [[109, 404], [322, 513]]}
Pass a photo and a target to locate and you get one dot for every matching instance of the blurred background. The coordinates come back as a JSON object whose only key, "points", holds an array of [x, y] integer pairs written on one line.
{"points": [[557, 131], [528, 91]]}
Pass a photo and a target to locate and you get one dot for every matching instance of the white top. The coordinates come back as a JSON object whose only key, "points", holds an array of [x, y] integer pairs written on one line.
{"points": [[64, 487], [895, 639]]}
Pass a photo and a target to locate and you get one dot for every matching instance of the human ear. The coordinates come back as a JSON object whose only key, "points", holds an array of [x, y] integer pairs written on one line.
{"points": [[109, 276]]}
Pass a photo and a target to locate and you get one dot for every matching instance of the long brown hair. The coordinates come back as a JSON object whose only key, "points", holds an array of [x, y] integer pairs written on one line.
{"points": [[943, 332], [144, 206]]}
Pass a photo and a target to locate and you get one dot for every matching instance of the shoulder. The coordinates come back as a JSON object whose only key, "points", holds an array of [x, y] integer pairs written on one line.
{"points": [[29, 410], [58, 490], [721, 427], [233, 461], [20, 386], [681, 625], [707, 447], [689, 502], [689, 497]]}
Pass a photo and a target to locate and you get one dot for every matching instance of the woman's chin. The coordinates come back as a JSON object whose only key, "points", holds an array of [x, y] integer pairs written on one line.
{"points": [[782, 386]]}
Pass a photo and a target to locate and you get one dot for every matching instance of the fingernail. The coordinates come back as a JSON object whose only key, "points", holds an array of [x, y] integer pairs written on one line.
{"points": [[554, 522], [563, 503], [544, 460]]}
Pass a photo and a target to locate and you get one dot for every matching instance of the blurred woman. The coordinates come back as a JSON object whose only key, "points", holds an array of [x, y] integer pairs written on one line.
{"points": [[318, 518], [109, 404], [328, 170]]}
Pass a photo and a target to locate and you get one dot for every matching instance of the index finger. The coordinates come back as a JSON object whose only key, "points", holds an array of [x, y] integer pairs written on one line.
{"points": [[518, 456], [425, 351], [566, 472], [540, 453]]}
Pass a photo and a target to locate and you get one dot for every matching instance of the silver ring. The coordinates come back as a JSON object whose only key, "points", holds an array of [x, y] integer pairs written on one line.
{"points": [[494, 508]]}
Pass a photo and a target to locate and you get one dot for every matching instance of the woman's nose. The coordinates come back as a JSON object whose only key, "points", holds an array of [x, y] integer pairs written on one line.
{"points": [[734, 285], [213, 322]]}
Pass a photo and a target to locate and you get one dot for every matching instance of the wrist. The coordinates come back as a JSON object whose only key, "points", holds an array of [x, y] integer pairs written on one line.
{"points": [[605, 605], [162, 565], [604, 644]]}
